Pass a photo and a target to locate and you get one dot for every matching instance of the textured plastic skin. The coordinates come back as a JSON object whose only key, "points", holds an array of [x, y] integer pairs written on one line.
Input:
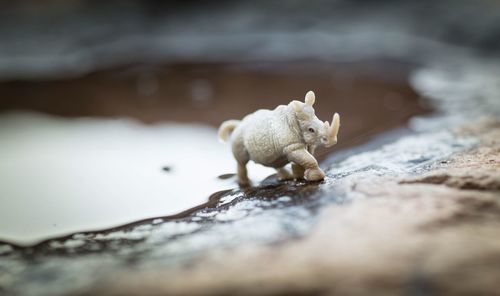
{"points": [[288, 134]]}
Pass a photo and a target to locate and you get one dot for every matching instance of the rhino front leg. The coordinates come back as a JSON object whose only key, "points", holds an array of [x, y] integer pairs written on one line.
{"points": [[298, 170], [303, 158]]}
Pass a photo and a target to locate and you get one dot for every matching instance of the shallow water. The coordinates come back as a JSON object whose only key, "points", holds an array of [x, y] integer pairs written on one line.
{"points": [[371, 96], [88, 172], [61, 175]]}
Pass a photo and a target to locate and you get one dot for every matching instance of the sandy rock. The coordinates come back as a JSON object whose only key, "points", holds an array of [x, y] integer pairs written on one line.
{"points": [[436, 233], [476, 169]]}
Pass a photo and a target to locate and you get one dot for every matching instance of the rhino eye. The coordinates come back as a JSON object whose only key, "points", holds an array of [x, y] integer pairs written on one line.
{"points": [[311, 130]]}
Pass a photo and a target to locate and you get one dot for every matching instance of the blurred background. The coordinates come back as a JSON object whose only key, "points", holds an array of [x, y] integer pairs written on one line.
{"points": [[191, 61]]}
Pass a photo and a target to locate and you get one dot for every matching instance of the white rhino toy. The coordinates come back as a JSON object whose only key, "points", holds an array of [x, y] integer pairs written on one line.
{"points": [[274, 138]]}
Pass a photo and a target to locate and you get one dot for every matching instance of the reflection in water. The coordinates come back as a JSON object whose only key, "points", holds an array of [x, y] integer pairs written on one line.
{"points": [[60, 176]]}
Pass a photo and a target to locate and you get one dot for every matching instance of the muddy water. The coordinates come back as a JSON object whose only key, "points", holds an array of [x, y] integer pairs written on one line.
{"points": [[371, 95], [70, 174], [62, 175]]}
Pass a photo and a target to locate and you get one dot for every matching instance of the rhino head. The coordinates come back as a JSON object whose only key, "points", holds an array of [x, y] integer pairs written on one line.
{"points": [[314, 131]]}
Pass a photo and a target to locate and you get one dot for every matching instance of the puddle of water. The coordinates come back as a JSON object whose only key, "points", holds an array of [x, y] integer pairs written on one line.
{"points": [[371, 96], [61, 175]]}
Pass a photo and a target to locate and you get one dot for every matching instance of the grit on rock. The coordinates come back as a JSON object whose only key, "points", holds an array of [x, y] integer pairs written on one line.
{"points": [[431, 233]]}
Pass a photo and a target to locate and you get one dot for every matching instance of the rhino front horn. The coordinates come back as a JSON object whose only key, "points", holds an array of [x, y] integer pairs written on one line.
{"points": [[334, 128]]}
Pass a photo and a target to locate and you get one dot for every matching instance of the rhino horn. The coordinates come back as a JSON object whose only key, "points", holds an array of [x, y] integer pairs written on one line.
{"points": [[334, 128]]}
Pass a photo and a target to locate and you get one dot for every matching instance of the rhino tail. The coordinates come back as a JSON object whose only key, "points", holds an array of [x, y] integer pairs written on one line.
{"points": [[226, 128]]}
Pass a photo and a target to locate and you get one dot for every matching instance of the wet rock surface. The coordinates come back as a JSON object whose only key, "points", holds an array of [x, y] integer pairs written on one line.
{"points": [[478, 169], [415, 235], [414, 213]]}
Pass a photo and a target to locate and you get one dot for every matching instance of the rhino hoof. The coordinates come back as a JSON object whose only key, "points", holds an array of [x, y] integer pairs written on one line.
{"points": [[314, 174]]}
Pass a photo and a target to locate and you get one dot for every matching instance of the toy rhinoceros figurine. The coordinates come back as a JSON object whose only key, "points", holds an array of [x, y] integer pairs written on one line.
{"points": [[274, 138]]}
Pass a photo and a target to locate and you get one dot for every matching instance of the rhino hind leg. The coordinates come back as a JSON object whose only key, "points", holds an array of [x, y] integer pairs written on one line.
{"points": [[283, 174], [243, 179], [298, 171], [242, 158]]}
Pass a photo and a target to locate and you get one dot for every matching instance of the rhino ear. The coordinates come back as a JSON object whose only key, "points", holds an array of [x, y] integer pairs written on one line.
{"points": [[310, 98], [297, 106]]}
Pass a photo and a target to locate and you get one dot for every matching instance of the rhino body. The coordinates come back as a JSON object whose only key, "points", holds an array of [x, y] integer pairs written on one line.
{"points": [[265, 135], [274, 138]]}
